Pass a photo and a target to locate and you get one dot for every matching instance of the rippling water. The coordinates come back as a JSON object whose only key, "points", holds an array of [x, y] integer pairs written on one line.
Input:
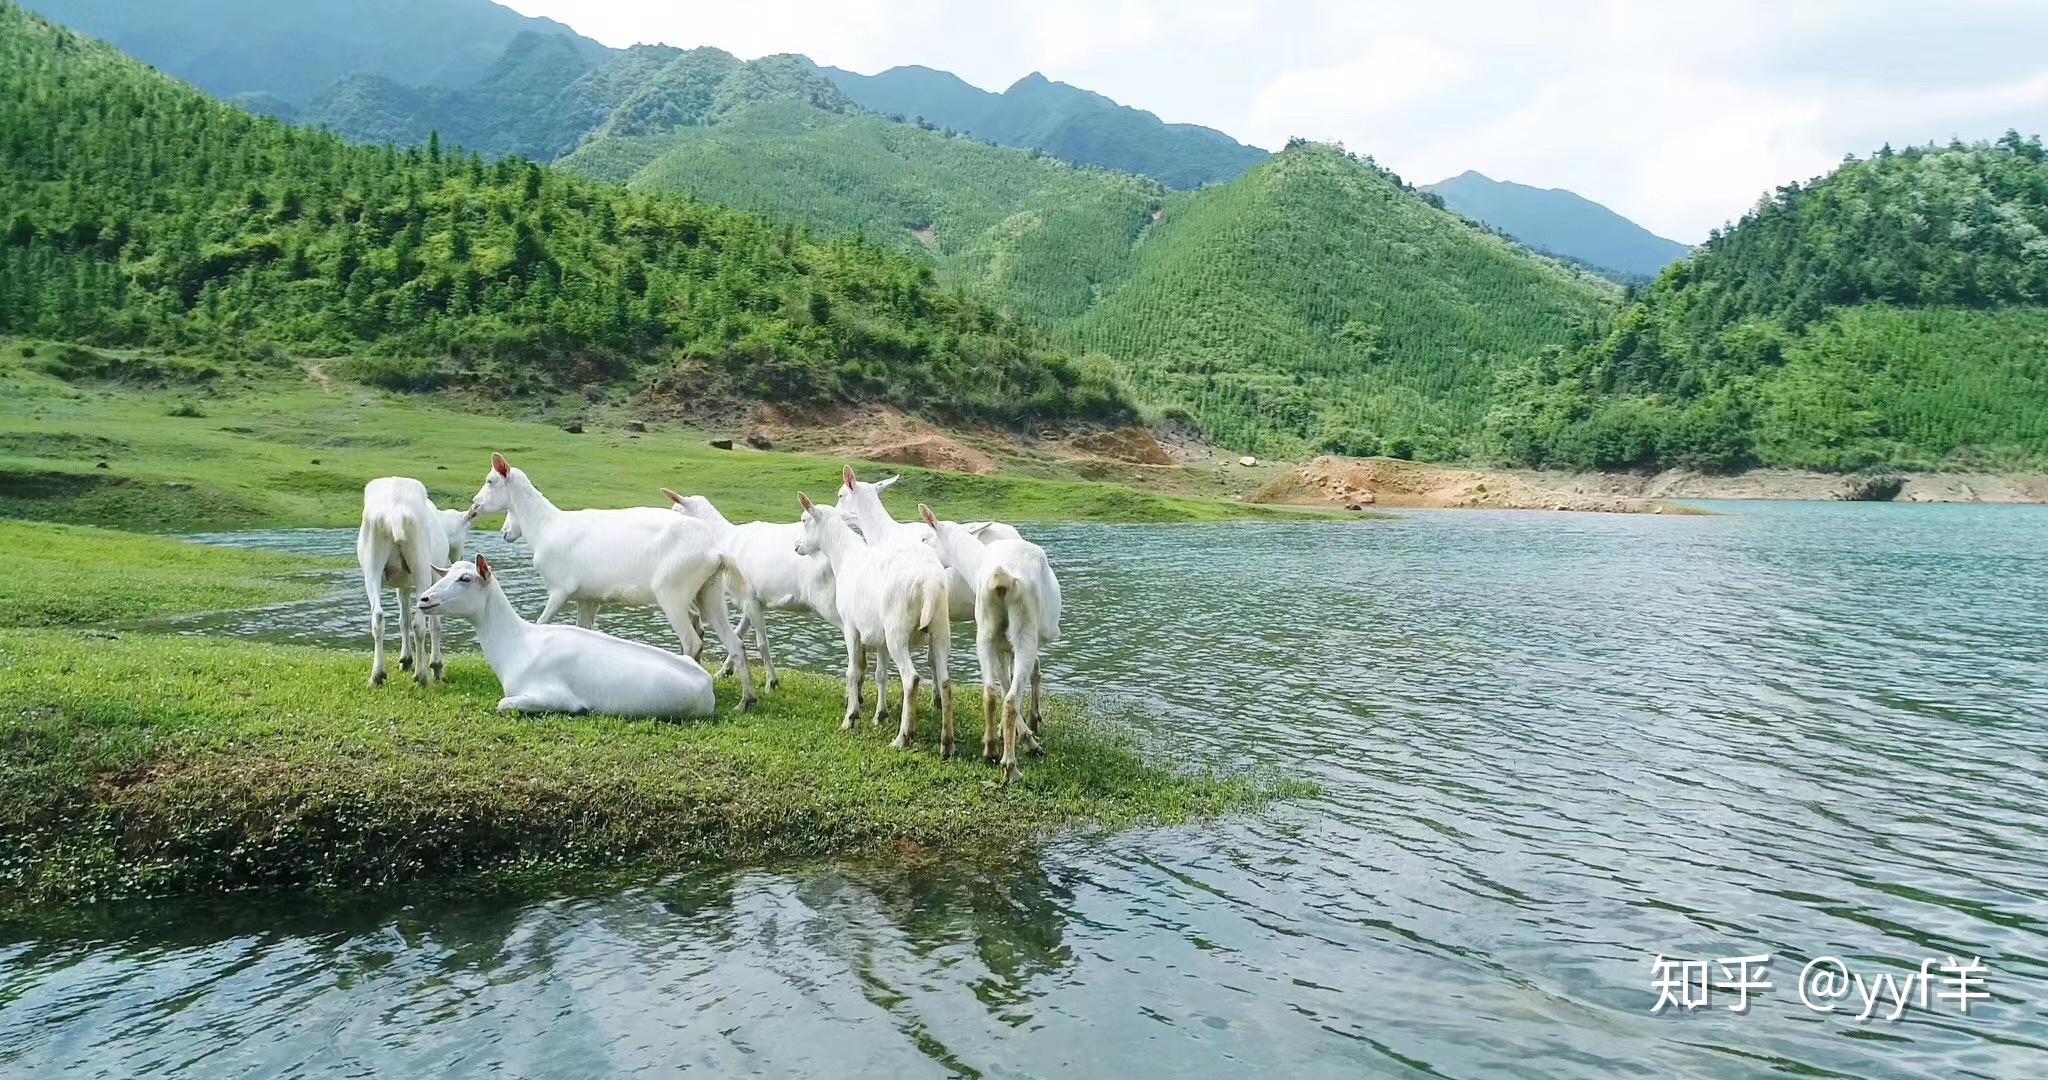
{"points": [[1552, 747]]}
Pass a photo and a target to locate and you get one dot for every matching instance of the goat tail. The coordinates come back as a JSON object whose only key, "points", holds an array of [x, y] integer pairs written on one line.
{"points": [[1005, 589], [937, 615], [392, 520]]}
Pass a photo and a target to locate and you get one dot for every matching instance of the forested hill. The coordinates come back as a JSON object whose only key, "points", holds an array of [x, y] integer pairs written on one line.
{"points": [[282, 53], [1891, 314], [545, 95], [1562, 223], [1072, 124], [1318, 303], [137, 210]]}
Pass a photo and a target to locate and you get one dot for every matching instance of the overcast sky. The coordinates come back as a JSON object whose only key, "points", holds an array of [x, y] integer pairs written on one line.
{"points": [[1676, 114]]}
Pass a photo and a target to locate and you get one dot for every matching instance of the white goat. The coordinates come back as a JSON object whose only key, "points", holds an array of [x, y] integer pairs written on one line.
{"points": [[401, 538], [776, 576], [566, 668], [1016, 613], [890, 594], [639, 556], [865, 500]]}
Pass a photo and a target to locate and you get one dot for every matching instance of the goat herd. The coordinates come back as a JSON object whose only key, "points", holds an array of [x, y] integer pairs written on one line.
{"points": [[888, 586]]}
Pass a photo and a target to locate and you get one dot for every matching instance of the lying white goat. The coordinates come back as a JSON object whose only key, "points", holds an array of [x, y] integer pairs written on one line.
{"points": [[638, 556], [401, 538], [890, 594], [1016, 613], [566, 668]]}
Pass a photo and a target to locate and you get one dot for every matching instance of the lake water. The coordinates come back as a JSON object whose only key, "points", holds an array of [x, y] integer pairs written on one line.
{"points": [[1552, 747]]}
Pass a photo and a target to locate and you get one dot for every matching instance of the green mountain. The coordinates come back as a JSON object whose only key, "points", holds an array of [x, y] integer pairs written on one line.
{"points": [[1891, 314], [1558, 222], [1315, 302], [137, 211], [1318, 303], [545, 95], [292, 51], [1069, 123]]}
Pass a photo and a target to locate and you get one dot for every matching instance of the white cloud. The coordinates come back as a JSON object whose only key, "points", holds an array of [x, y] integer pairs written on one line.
{"points": [[1678, 115]]}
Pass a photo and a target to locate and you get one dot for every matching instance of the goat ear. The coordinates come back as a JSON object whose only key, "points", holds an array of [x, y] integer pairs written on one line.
{"points": [[439, 571], [672, 496], [979, 527], [483, 567], [805, 500], [499, 465], [925, 512], [884, 485], [849, 474]]}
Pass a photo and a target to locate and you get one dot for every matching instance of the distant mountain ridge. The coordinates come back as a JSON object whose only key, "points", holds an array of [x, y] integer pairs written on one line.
{"points": [[1561, 223], [1072, 124], [293, 51]]}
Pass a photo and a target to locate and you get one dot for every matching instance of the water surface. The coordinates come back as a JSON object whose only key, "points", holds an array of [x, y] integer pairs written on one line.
{"points": [[1552, 746]]}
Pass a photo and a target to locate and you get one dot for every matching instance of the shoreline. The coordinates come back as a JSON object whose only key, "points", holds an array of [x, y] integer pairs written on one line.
{"points": [[1369, 483]]}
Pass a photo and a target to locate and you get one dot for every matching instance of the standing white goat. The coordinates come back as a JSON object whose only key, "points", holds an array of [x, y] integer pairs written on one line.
{"points": [[890, 594], [1016, 613], [638, 556], [566, 668], [401, 538]]}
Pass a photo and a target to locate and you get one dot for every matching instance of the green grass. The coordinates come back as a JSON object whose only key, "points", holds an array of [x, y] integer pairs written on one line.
{"points": [[141, 765], [276, 449], [61, 575]]}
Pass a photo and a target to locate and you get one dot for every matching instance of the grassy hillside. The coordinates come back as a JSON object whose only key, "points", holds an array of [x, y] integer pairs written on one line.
{"points": [[1315, 303], [138, 211], [1564, 224], [1891, 314]]}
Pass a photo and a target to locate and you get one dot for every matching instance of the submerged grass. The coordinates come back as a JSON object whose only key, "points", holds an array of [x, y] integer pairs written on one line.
{"points": [[264, 446], [136, 765]]}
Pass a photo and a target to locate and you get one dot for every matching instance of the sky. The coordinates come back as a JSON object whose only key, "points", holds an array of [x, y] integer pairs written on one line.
{"points": [[1678, 115]]}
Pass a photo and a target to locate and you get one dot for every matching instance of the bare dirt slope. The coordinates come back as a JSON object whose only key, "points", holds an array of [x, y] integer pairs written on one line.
{"points": [[1336, 481]]}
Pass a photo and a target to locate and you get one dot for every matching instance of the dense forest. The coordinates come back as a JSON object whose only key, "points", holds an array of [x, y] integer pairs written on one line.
{"points": [[136, 210], [1891, 314]]}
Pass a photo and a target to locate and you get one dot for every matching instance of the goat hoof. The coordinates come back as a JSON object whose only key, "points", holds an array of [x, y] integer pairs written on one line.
{"points": [[405, 663], [851, 722], [900, 743], [990, 754], [1012, 775], [747, 703], [726, 671], [775, 683], [377, 678], [948, 751]]}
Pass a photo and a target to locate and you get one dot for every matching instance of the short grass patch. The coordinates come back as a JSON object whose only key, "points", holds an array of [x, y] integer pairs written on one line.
{"points": [[68, 575]]}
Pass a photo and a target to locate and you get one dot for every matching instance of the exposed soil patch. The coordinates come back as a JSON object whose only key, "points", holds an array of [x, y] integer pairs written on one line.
{"points": [[930, 452], [1336, 481], [1133, 444]]}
